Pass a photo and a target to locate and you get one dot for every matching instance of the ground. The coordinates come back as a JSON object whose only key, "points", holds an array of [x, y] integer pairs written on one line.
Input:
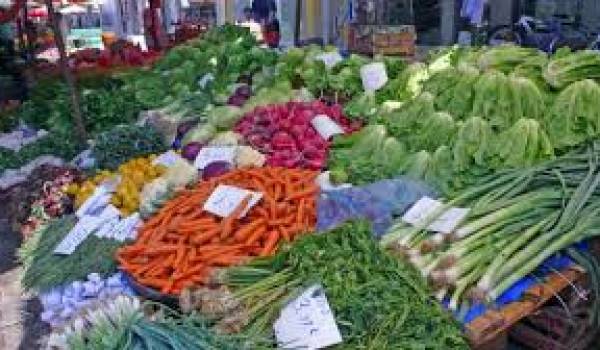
{"points": [[20, 326]]}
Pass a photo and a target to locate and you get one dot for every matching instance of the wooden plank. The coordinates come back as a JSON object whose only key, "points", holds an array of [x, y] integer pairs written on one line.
{"points": [[493, 323]]}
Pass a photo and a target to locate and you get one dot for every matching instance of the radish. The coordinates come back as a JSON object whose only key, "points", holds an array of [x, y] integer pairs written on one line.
{"points": [[286, 134]]}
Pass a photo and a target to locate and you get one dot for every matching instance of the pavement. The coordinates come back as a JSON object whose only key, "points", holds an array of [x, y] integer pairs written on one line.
{"points": [[20, 327]]}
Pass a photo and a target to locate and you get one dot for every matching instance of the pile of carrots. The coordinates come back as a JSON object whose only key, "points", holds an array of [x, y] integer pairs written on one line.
{"points": [[181, 245]]}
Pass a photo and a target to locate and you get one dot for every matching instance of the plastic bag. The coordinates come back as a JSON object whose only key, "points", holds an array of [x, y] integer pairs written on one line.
{"points": [[379, 202]]}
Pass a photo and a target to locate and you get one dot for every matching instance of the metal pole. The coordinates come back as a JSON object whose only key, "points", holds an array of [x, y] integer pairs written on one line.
{"points": [[67, 74], [298, 21]]}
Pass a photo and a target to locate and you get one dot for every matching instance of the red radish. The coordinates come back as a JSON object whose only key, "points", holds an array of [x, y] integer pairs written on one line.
{"points": [[285, 133]]}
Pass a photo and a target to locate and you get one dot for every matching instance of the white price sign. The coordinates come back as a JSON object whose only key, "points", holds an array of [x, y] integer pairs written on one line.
{"points": [[78, 234], [326, 127], [307, 322], [167, 159], [330, 59], [425, 207], [374, 76], [208, 155], [225, 199]]}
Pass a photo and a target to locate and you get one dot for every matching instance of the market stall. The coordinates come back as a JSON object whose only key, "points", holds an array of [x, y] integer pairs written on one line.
{"points": [[237, 197]]}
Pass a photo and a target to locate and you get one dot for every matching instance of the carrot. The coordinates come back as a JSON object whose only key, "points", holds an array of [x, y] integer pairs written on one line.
{"points": [[300, 213], [242, 234], [160, 250], [285, 233], [306, 192], [227, 224], [270, 243], [226, 260], [255, 236], [205, 237]]}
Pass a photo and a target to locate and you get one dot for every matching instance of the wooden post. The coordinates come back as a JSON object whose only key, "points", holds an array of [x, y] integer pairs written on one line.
{"points": [[67, 74]]}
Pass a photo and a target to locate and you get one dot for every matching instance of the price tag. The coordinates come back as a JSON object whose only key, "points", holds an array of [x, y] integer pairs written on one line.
{"points": [[225, 199], [326, 127], [95, 203], [167, 159], [422, 209], [208, 155], [106, 230], [78, 234], [128, 227], [330, 58], [307, 322], [374, 76], [425, 207], [449, 220]]}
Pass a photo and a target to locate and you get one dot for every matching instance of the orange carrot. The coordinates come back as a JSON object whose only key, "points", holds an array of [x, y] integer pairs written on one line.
{"points": [[285, 233], [306, 192], [227, 224], [206, 236], [255, 236], [270, 243], [242, 234]]}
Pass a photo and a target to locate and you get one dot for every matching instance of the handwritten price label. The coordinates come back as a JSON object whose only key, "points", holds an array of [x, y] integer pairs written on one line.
{"points": [[307, 322], [225, 199]]}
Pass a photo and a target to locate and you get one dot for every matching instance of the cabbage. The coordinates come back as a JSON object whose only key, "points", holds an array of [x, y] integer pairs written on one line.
{"points": [[567, 69], [575, 115], [473, 143], [523, 145], [202, 134], [224, 117]]}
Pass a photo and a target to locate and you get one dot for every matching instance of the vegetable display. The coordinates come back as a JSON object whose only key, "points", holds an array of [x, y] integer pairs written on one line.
{"points": [[182, 243], [345, 261], [63, 303], [285, 133], [123, 323], [48, 270], [506, 133], [123, 142], [517, 220]]}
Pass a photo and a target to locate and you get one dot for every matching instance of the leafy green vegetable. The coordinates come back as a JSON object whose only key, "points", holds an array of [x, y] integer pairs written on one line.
{"points": [[48, 270], [378, 302], [564, 70], [116, 146], [574, 117]]}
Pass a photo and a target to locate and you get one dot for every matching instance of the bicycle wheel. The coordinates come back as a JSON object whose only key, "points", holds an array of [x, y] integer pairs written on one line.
{"points": [[503, 35]]}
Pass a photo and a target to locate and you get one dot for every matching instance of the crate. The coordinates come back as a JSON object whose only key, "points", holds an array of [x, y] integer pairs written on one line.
{"points": [[494, 326], [385, 40]]}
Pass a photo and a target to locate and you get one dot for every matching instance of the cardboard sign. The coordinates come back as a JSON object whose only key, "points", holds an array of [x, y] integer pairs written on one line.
{"points": [[225, 199], [307, 322]]}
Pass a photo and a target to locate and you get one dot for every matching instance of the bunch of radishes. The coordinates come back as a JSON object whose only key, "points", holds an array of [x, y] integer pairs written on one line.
{"points": [[285, 133]]}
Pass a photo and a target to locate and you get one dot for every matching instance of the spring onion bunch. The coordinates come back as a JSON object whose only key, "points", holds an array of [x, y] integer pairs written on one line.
{"points": [[518, 219], [125, 323]]}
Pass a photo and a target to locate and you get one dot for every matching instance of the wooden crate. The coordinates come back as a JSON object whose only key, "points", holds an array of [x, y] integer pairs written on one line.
{"points": [[490, 330], [386, 40]]}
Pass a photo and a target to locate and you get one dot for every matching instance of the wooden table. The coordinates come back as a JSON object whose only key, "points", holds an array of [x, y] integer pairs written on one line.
{"points": [[489, 331]]}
